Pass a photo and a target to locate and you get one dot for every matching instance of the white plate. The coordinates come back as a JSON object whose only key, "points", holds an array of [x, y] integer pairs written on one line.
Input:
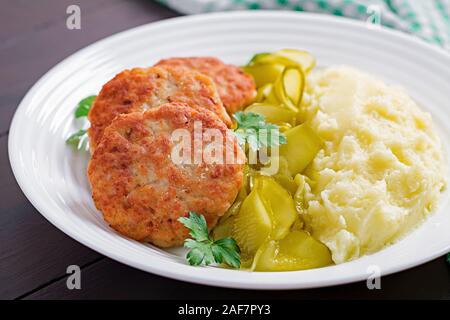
{"points": [[53, 176]]}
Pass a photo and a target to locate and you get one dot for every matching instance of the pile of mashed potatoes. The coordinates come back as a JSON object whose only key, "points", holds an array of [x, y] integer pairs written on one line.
{"points": [[381, 170]]}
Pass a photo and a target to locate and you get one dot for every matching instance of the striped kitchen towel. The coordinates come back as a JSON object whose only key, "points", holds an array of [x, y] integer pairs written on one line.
{"points": [[428, 19]]}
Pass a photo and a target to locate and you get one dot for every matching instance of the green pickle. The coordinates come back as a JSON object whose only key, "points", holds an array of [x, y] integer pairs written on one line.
{"points": [[297, 251], [264, 73], [289, 86], [286, 57], [283, 176], [224, 228], [272, 113], [287, 182], [302, 58], [299, 195], [272, 58], [252, 225], [302, 147], [279, 204], [279, 76], [293, 82], [258, 56], [263, 92]]}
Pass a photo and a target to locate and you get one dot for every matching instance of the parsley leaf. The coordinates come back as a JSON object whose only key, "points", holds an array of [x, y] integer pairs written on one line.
{"points": [[197, 224], [84, 106], [79, 140], [227, 251], [252, 129], [200, 252], [205, 251], [448, 258]]}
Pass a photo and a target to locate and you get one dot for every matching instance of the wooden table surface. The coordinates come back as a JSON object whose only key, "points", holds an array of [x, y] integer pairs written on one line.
{"points": [[34, 254]]}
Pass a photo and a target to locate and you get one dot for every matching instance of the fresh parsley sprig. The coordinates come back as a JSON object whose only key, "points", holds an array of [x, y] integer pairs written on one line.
{"points": [[79, 139], [203, 250], [252, 129], [84, 106]]}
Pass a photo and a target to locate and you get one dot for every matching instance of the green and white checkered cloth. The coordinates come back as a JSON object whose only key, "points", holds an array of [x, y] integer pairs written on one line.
{"points": [[428, 19]]}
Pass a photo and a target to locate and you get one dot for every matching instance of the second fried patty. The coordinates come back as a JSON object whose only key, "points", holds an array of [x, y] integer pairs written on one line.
{"points": [[236, 88], [140, 89]]}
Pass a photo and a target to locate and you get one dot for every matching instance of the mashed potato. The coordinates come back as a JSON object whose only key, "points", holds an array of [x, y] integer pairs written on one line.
{"points": [[381, 170]]}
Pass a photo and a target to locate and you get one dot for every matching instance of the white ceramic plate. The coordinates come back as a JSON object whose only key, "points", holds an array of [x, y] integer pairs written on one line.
{"points": [[53, 176]]}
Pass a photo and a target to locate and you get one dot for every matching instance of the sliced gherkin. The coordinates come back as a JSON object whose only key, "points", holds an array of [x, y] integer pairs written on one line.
{"points": [[264, 73], [299, 195], [302, 146], [303, 58], [279, 204], [297, 251], [289, 87], [252, 225], [287, 57], [273, 114], [223, 229], [258, 56], [263, 92]]}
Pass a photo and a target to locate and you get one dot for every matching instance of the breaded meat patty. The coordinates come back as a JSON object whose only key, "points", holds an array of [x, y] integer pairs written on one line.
{"points": [[140, 188], [236, 88], [140, 89]]}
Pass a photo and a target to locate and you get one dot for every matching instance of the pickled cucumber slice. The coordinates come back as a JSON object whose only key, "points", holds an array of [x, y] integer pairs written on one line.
{"points": [[283, 176], [242, 194], [273, 99], [235, 207], [263, 92], [279, 76], [298, 224], [299, 195], [289, 87], [297, 251], [258, 56], [287, 182], [271, 113], [252, 225], [272, 58], [287, 57], [264, 73], [303, 58], [284, 126], [247, 184], [293, 81], [303, 145], [279, 204], [224, 228]]}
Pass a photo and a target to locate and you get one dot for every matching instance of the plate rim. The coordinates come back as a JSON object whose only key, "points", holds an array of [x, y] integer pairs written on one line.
{"points": [[198, 278]]}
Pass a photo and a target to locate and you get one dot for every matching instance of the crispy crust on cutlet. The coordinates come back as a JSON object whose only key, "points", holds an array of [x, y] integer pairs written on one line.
{"points": [[236, 88], [139, 89], [142, 192]]}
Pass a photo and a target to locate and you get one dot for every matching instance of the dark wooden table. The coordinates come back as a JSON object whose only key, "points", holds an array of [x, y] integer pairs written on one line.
{"points": [[34, 254]]}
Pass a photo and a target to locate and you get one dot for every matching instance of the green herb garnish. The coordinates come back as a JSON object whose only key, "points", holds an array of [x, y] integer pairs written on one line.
{"points": [[79, 139], [252, 129], [84, 106], [448, 258], [205, 251]]}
